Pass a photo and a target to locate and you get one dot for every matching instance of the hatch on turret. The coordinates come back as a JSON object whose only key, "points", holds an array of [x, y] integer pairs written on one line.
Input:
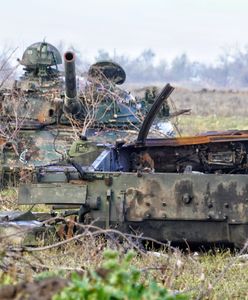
{"points": [[41, 54], [107, 70]]}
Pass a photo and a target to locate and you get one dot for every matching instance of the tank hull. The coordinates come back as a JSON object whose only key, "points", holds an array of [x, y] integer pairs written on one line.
{"points": [[194, 208]]}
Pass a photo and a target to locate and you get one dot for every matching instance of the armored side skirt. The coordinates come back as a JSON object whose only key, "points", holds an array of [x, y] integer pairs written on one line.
{"points": [[177, 207]]}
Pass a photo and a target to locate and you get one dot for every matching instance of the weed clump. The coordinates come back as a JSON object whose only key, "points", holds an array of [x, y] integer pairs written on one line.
{"points": [[115, 279]]}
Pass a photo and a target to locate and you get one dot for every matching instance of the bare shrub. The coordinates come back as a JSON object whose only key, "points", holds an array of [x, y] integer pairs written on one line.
{"points": [[7, 71]]}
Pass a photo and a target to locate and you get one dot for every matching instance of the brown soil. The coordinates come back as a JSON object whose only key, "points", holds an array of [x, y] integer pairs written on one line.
{"points": [[39, 290]]}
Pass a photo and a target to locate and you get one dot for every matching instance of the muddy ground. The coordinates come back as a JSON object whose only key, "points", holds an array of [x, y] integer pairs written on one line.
{"points": [[38, 290]]}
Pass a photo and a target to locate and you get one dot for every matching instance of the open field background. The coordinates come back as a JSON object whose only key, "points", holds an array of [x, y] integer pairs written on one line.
{"points": [[210, 109], [219, 274]]}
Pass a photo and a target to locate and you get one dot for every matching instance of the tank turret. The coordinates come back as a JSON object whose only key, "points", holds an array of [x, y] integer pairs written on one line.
{"points": [[36, 97], [41, 60], [30, 114], [41, 115], [100, 102]]}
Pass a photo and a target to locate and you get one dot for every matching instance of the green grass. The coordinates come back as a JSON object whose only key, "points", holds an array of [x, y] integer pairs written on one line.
{"points": [[191, 125], [115, 279]]}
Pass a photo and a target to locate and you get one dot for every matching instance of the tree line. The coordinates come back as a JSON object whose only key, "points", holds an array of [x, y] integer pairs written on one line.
{"points": [[229, 71]]}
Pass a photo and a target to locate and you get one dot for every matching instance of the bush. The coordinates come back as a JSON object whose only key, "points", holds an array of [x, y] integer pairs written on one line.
{"points": [[115, 279]]}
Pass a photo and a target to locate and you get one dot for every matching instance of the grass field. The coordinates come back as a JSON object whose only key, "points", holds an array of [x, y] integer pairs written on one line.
{"points": [[193, 124], [199, 275], [211, 110]]}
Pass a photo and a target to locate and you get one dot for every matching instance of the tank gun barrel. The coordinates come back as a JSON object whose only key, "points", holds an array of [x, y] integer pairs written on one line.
{"points": [[71, 104], [146, 125]]}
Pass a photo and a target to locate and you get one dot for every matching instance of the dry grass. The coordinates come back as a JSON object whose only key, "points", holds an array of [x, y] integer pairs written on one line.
{"points": [[199, 275], [204, 102], [212, 103], [192, 125], [8, 199], [211, 110]]}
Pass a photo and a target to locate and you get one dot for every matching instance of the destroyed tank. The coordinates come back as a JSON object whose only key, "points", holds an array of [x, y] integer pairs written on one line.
{"points": [[29, 112], [185, 189], [40, 118]]}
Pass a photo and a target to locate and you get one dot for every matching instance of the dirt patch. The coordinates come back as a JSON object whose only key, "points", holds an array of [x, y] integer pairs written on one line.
{"points": [[38, 290]]}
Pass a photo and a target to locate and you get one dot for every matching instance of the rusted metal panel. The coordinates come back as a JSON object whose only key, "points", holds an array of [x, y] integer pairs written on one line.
{"points": [[195, 140], [156, 196], [193, 207], [185, 197], [189, 231]]}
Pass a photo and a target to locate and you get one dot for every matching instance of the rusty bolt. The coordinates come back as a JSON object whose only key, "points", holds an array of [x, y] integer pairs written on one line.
{"points": [[108, 181], [187, 198]]}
